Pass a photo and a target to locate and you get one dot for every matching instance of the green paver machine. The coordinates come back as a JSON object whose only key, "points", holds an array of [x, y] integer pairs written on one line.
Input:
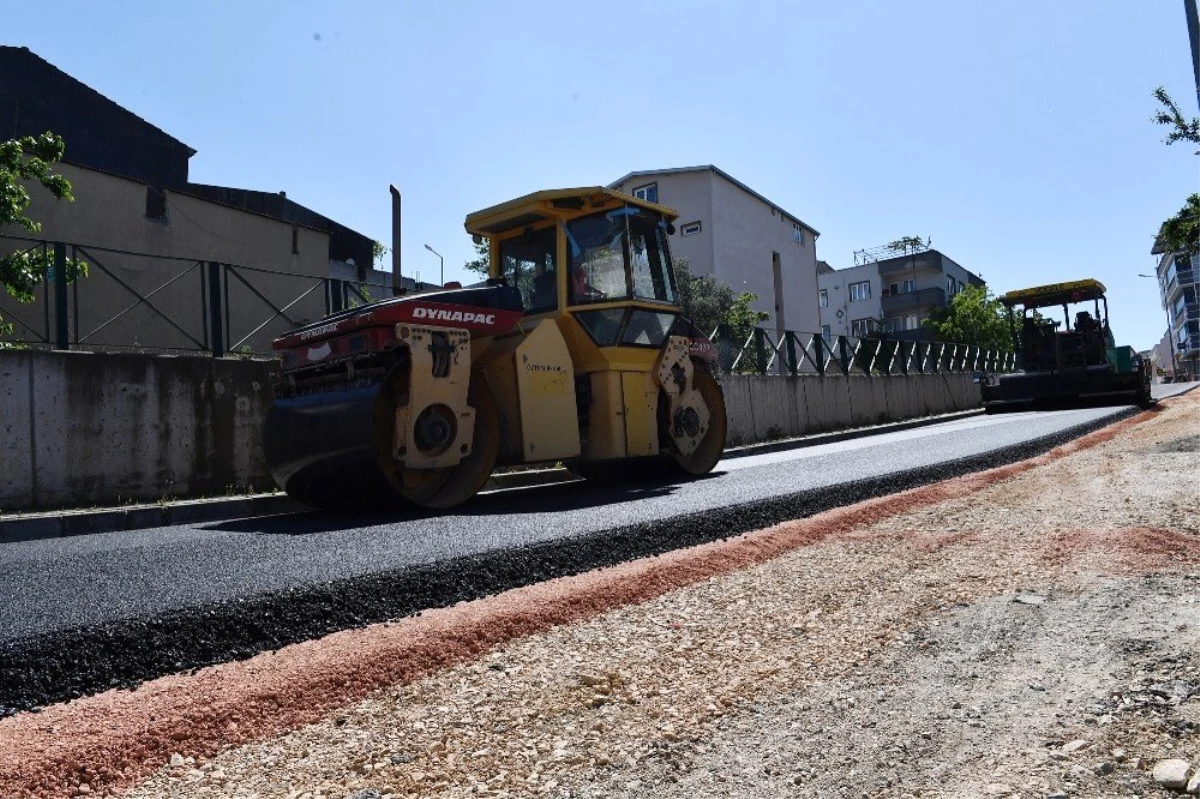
{"points": [[1071, 361]]}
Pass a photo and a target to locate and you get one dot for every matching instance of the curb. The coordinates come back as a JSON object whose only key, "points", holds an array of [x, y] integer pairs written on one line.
{"points": [[67, 524], [846, 435], [138, 517]]}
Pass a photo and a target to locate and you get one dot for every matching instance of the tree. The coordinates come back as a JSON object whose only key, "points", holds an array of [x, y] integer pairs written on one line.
{"points": [[28, 160], [483, 258], [973, 317], [705, 300], [908, 244], [1182, 231], [1183, 129], [379, 251]]}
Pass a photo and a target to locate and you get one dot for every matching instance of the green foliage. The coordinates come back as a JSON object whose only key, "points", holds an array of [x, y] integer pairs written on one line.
{"points": [[1182, 129], [973, 317], [482, 261], [379, 251], [709, 303], [741, 318], [908, 244], [28, 160], [1182, 231], [705, 299]]}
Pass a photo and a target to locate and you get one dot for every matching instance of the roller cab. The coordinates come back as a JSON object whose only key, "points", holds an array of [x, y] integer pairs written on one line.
{"points": [[575, 351]]}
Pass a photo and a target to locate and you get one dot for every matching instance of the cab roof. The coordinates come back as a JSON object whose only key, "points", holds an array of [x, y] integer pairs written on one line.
{"points": [[1055, 294], [551, 204]]}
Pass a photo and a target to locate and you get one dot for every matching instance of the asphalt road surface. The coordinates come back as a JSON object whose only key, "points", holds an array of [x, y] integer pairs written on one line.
{"points": [[56, 584]]}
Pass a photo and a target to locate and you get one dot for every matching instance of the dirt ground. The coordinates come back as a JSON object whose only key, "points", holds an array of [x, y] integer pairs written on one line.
{"points": [[1030, 632]]}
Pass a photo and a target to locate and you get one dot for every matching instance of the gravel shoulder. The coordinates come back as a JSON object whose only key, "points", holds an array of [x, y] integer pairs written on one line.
{"points": [[1033, 632]]}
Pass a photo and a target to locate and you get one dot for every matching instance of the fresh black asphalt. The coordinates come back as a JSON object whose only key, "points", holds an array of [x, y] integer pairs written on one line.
{"points": [[80, 615]]}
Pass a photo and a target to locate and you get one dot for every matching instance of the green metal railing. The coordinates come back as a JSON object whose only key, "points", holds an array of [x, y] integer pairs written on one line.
{"points": [[767, 352]]}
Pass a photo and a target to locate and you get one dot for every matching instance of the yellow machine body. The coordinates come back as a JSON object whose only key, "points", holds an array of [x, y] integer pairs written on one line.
{"points": [[624, 394], [574, 352]]}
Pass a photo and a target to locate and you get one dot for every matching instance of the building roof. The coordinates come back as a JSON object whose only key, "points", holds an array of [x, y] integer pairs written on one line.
{"points": [[726, 176], [931, 258], [344, 243], [14, 58]]}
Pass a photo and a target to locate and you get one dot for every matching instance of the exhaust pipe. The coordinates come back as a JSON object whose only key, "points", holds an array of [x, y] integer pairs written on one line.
{"points": [[397, 279]]}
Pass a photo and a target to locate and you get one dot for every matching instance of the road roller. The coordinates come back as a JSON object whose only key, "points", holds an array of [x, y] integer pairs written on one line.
{"points": [[574, 351]]}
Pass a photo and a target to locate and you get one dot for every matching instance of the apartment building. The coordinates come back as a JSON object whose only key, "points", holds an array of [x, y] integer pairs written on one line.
{"points": [[1179, 291], [728, 230], [893, 294]]}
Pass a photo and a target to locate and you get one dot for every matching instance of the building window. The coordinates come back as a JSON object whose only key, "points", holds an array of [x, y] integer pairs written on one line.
{"points": [[156, 204], [826, 333], [860, 291], [797, 233], [911, 322], [908, 286], [649, 192], [950, 286], [861, 327], [961, 285], [295, 240], [823, 298], [690, 229]]}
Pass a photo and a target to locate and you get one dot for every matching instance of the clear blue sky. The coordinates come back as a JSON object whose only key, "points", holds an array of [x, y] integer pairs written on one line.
{"points": [[1016, 134]]}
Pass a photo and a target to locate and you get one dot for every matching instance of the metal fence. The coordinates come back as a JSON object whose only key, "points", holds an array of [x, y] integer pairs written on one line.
{"points": [[158, 303], [788, 352]]}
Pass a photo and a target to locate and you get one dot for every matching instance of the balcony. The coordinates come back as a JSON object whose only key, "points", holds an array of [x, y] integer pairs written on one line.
{"points": [[912, 301], [1188, 347], [1182, 278], [909, 263]]}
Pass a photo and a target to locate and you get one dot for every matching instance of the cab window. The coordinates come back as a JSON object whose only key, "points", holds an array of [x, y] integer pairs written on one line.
{"points": [[528, 262]]}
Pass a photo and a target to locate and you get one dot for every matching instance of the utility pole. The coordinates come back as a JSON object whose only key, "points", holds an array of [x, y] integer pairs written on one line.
{"points": [[1193, 24]]}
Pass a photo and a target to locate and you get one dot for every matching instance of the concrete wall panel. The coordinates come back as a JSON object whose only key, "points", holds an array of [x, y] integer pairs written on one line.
{"points": [[828, 401], [16, 430], [739, 409], [108, 428], [775, 402]]}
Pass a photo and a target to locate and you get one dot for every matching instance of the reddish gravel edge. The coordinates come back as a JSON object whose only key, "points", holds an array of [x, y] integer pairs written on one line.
{"points": [[112, 741]]}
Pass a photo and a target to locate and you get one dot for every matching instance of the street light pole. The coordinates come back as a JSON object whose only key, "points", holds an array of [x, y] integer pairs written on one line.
{"points": [[1193, 26], [442, 270], [1170, 338]]}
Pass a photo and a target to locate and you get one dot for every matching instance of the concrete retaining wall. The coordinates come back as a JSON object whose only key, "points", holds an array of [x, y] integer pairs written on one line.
{"points": [[81, 429], [763, 408]]}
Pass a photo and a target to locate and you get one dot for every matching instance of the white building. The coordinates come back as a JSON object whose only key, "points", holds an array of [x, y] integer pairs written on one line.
{"points": [[728, 230]]}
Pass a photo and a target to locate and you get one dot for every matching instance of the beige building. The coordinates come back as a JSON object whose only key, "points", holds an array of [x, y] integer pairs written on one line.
{"points": [[148, 232], [728, 230], [149, 284]]}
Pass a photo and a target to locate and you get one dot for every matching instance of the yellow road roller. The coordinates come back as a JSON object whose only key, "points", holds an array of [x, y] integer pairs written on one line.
{"points": [[574, 351]]}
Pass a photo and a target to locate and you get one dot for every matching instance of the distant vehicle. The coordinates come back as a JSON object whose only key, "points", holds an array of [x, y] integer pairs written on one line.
{"points": [[1074, 360]]}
